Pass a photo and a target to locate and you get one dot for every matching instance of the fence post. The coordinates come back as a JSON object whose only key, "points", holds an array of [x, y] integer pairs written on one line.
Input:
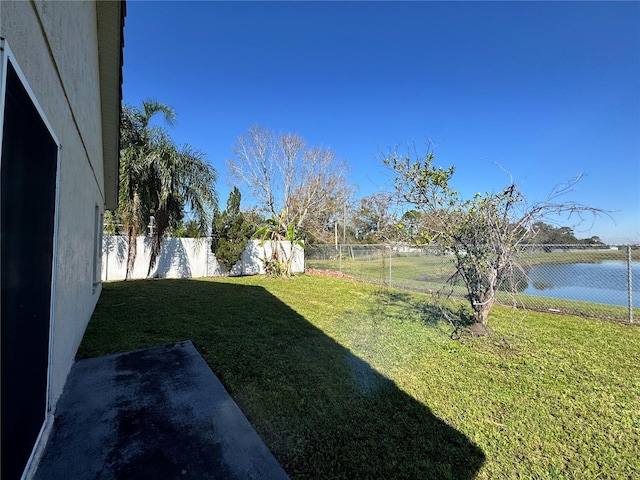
{"points": [[630, 283], [106, 262], [340, 258], [390, 265]]}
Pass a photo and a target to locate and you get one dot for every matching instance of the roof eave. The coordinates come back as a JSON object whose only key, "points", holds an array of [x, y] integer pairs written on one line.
{"points": [[110, 22]]}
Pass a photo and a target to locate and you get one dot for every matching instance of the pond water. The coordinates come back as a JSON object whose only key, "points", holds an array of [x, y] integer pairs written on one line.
{"points": [[604, 282]]}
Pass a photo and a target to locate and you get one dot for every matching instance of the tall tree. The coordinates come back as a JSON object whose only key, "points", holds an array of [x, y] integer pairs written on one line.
{"points": [[287, 179], [159, 179], [181, 179], [230, 232], [137, 143], [297, 187], [375, 220], [483, 232]]}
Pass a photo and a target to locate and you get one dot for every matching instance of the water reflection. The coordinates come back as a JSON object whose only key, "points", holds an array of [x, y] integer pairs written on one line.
{"points": [[604, 282]]}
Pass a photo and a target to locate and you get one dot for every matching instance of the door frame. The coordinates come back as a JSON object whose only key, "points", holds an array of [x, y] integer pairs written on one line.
{"points": [[6, 57]]}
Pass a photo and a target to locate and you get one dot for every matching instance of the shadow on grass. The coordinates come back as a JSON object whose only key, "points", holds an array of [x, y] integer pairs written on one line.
{"points": [[393, 305], [322, 411]]}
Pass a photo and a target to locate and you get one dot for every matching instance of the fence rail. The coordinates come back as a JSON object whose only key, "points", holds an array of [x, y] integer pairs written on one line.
{"points": [[585, 280]]}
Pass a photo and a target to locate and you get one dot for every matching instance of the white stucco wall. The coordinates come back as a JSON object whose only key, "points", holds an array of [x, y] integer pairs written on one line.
{"points": [[55, 45], [185, 258]]}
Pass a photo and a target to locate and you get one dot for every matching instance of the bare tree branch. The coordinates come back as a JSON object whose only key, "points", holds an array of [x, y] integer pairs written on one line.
{"points": [[294, 185]]}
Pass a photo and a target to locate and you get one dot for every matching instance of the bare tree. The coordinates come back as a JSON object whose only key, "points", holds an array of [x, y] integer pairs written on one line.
{"points": [[483, 233], [294, 185]]}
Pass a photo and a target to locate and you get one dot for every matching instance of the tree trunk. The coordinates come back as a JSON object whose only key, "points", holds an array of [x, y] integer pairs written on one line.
{"points": [[161, 223], [481, 313], [131, 250], [288, 260], [154, 253]]}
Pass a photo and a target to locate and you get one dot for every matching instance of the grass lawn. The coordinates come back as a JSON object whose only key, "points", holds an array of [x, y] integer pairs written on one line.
{"points": [[348, 380], [430, 273]]}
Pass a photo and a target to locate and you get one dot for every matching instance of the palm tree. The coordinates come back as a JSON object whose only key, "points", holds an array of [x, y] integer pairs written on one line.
{"points": [[159, 179], [181, 179]]}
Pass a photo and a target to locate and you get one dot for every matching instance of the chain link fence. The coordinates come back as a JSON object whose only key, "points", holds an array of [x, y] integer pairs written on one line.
{"points": [[597, 282]]}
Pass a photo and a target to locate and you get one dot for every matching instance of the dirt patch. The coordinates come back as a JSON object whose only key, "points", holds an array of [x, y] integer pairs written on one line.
{"points": [[479, 330], [328, 273]]}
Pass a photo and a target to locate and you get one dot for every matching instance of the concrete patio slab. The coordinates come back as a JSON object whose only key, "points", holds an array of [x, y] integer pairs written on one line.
{"points": [[158, 413]]}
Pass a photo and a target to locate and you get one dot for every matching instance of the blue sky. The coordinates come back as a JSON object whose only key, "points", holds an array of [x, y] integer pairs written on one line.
{"points": [[547, 90]]}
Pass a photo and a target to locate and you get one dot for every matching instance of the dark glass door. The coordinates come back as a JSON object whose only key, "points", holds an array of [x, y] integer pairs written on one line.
{"points": [[27, 213]]}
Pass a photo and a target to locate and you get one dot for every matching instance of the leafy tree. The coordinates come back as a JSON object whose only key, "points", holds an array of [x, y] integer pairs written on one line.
{"points": [[159, 179], [594, 240], [375, 220], [230, 232], [545, 234], [179, 231], [412, 226], [181, 179], [482, 233], [112, 223], [190, 229], [254, 218]]}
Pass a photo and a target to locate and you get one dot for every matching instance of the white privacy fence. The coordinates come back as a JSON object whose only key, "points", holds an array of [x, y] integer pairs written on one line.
{"points": [[185, 258]]}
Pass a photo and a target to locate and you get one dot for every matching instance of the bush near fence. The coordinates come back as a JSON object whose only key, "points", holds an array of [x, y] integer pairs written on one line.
{"points": [[425, 269]]}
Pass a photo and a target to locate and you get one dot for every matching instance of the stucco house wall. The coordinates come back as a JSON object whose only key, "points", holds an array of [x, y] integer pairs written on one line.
{"points": [[56, 46]]}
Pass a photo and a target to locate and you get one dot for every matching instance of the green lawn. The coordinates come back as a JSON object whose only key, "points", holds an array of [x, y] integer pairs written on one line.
{"points": [[348, 380]]}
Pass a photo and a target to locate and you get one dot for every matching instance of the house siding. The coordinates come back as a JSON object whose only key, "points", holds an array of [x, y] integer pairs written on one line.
{"points": [[55, 45]]}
